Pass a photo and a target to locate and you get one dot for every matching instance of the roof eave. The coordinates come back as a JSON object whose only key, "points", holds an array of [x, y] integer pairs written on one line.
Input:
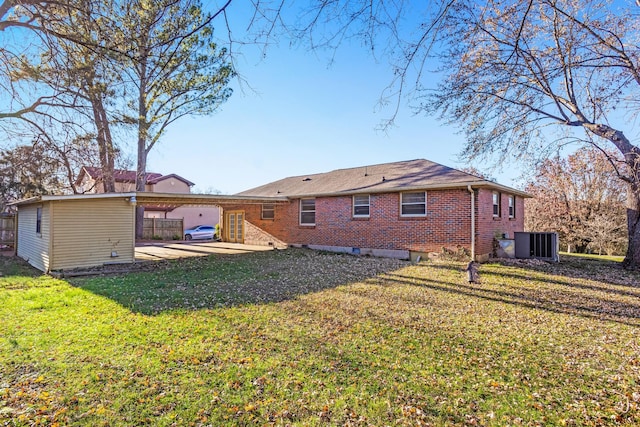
{"points": [[150, 196], [506, 189], [466, 184], [54, 198], [28, 201]]}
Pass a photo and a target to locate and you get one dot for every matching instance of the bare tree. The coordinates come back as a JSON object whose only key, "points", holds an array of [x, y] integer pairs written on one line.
{"points": [[27, 171], [608, 236], [581, 198], [516, 68], [51, 83], [83, 70], [520, 78], [112, 63], [15, 15]]}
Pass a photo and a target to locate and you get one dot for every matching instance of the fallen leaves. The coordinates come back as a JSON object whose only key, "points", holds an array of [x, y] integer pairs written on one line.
{"points": [[28, 402], [307, 338]]}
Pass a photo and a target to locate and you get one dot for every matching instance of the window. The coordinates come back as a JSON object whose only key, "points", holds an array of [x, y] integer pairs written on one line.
{"points": [[268, 211], [496, 204], [413, 204], [361, 206], [307, 211], [39, 220], [512, 206]]}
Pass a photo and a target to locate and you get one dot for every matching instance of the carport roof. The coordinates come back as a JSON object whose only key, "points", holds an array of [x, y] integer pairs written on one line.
{"points": [[175, 200], [164, 200]]}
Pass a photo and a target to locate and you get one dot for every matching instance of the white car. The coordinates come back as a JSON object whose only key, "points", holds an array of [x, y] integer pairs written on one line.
{"points": [[200, 232]]}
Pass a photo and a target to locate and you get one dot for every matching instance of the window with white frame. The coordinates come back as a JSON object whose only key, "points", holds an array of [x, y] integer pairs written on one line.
{"points": [[268, 211], [361, 206], [413, 204], [512, 206], [496, 204], [307, 211]]}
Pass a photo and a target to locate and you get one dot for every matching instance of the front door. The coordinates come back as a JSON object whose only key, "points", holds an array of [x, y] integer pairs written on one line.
{"points": [[234, 226]]}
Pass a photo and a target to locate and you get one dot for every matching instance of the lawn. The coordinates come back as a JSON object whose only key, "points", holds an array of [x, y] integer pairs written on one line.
{"points": [[616, 258], [306, 338]]}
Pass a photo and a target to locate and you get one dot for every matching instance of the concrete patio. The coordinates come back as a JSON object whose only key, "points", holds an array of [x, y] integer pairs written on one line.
{"points": [[155, 251]]}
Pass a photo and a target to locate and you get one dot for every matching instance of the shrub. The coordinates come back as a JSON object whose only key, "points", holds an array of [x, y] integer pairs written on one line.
{"points": [[458, 254]]}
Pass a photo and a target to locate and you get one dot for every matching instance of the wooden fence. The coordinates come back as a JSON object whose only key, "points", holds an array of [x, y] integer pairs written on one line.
{"points": [[162, 229], [7, 231]]}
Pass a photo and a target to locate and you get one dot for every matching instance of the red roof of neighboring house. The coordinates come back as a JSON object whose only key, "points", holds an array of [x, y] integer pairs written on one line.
{"points": [[127, 176]]}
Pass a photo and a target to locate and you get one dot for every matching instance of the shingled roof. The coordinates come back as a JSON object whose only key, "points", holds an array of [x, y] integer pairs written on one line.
{"points": [[382, 178]]}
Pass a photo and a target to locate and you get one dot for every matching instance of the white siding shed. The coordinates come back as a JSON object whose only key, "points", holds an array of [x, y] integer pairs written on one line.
{"points": [[65, 232]]}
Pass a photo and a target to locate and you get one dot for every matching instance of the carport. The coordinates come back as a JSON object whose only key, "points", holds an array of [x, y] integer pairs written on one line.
{"points": [[232, 221], [81, 231]]}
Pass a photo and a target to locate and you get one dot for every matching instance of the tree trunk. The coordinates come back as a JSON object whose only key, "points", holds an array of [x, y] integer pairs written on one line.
{"points": [[105, 145], [631, 155], [110, 150], [143, 128], [632, 258], [141, 182]]}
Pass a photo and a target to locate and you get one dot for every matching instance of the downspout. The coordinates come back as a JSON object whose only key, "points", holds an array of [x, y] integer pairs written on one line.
{"points": [[473, 222], [52, 255]]}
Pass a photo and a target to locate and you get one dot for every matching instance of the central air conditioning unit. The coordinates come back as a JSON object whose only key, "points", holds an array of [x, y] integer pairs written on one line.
{"points": [[543, 246]]}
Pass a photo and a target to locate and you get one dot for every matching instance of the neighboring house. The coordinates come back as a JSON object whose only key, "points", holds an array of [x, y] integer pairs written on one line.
{"points": [[393, 209], [89, 181]]}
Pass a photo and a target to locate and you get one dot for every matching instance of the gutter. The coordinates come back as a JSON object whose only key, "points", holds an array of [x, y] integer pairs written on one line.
{"points": [[447, 186], [62, 197], [473, 222], [151, 197]]}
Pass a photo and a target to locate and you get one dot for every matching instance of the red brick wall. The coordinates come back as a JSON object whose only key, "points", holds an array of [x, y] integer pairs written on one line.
{"points": [[447, 223], [257, 236], [488, 227]]}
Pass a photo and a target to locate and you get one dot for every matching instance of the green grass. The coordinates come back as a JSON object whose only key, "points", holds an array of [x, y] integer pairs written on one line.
{"points": [[615, 258], [305, 338]]}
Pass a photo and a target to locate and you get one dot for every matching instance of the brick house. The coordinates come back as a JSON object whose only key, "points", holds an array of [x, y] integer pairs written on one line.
{"points": [[399, 209]]}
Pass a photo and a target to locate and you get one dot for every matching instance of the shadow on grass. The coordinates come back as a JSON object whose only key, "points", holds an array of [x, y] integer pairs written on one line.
{"points": [[605, 271], [220, 281], [11, 265], [556, 300]]}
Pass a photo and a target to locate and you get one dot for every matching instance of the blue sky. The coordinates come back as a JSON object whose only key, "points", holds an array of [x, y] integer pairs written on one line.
{"points": [[301, 116]]}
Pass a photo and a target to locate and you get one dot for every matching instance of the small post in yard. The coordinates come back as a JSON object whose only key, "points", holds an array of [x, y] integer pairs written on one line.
{"points": [[472, 272]]}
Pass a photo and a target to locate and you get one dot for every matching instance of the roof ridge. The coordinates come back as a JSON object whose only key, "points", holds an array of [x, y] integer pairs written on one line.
{"points": [[382, 164], [360, 167]]}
